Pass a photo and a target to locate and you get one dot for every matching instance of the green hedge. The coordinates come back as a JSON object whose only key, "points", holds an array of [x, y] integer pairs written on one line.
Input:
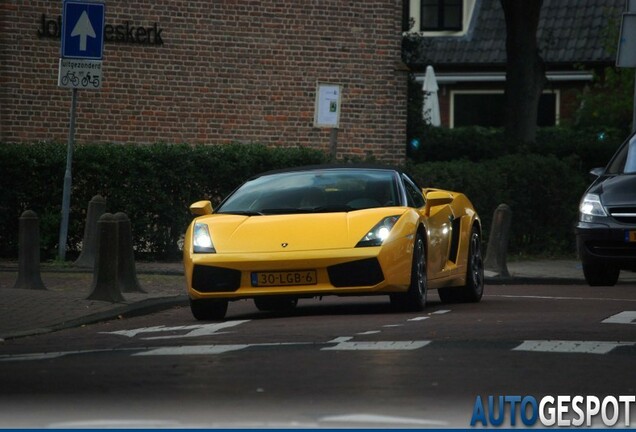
{"points": [[153, 185], [586, 149], [542, 191]]}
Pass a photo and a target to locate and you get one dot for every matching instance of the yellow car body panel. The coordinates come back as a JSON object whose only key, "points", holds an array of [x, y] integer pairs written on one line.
{"points": [[322, 240], [296, 252]]}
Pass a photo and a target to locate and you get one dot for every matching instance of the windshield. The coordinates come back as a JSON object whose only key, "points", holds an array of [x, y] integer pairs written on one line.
{"points": [[625, 160], [327, 190]]}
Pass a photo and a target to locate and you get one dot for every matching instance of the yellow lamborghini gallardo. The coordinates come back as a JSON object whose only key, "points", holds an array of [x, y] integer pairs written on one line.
{"points": [[332, 230]]}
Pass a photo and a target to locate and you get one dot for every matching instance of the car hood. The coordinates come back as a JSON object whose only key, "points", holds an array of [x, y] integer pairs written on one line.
{"points": [[290, 233], [618, 191]]}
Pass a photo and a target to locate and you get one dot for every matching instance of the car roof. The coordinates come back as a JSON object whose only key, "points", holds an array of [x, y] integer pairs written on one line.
{"points": [[351, 167]]}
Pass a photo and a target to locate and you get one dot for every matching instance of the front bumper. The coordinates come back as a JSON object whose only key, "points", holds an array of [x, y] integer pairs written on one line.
{"points": [[370, 270], [606, 242]]}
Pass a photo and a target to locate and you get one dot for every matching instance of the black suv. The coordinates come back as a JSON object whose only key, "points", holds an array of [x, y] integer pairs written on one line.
{"points": [[606, 231]]}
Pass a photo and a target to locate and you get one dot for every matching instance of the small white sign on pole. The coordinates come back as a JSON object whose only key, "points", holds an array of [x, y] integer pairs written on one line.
{"points": [[327, 110], [81, 74]]}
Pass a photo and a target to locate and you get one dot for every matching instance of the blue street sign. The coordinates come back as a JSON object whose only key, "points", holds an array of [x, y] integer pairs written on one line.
{"points": [[82, 30]]}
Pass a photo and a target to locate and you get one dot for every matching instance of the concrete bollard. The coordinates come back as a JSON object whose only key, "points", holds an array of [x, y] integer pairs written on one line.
{"points": [[127, 274], [96, 208], [105, 280], [29, 253], [498, 241]]}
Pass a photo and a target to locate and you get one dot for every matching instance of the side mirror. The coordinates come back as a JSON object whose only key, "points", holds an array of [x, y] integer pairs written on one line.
{"points": [[437, 198], [201, 208], [597, 172]]}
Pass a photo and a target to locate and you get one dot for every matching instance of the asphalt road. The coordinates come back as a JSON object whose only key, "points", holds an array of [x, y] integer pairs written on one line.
{"points": [[339, 362]]}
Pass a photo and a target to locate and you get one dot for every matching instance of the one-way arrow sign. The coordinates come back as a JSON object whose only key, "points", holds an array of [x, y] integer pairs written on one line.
{"points": [[83, 30]]}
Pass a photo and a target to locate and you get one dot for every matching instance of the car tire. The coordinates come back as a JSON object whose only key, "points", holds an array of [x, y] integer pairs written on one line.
{"points": [[208, 309], [473, 291], [275, 303], [600, 273], [414, 300]]}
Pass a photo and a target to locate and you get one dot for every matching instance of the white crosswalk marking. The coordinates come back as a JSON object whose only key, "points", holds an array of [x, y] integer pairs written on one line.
{"points": [[558, 346], [378, 346], [626, 317], [191, 350], [196, 330]]}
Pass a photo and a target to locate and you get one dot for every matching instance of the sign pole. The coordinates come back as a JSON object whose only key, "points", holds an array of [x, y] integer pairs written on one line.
{"points": [[80, 66], [66, 195]]}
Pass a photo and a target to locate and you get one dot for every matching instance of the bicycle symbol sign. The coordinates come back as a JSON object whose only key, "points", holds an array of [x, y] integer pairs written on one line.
{"points": [[82, 74]]}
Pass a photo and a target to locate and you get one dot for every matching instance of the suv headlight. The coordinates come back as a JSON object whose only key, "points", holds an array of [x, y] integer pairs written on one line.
{"points": [[591, 207], [201, 240], [378, 233]]}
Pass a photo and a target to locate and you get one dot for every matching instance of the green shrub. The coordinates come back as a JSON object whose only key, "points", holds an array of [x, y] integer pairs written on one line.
{"points": [[584, 148], [154, 185], [542, 191]]}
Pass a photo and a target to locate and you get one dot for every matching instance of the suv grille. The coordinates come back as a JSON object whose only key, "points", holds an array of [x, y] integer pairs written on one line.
{"points": [[624, 214]]}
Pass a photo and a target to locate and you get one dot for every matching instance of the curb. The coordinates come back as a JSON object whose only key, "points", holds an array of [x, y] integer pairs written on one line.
{"points": [[142, 307], [529, 280]]}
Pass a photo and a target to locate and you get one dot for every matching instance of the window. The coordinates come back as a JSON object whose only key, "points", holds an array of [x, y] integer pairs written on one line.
{"points": [[482, 108], [414, 197], [436, 15]]}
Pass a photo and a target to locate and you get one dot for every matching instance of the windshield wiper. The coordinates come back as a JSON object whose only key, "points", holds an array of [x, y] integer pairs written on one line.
{"points": [[337, 208], [241, 212], [288, 210]]}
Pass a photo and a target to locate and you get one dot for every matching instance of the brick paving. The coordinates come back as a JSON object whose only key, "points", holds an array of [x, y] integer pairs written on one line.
{"points": [[64, 302]]}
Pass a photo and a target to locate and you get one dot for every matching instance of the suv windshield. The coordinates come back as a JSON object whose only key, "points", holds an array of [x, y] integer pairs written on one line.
{"points": [[625, 160], [326, 190]]}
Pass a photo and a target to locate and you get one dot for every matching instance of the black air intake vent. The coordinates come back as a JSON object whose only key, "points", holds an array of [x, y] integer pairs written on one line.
{"points": [[215, 279], [364, 272]]}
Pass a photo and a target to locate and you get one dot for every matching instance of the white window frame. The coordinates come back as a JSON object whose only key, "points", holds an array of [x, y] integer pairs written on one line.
{"points": [[414, 12], [453, 93]]}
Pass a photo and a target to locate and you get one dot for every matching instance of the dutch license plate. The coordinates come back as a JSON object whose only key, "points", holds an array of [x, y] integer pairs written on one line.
{"points": [[630, 236], [284, 278]]}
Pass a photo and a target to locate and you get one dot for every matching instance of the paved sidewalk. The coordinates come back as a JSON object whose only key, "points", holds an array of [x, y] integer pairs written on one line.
{"points": [[63, 304]]}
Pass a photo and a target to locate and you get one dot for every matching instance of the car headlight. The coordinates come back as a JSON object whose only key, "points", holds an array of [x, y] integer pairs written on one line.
{"points": [[378, 233], [201, 240], [591, 207]]}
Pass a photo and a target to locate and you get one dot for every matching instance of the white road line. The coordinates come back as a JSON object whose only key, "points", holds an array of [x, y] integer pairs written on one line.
{"points": [[625, 317], [381, 419], [579, 347], [196, 330], [56, 354], [209, 349], [440, 312], [421, 318], [378, 346], [370, 332], [559, 298], [191, 350], [341, 339], [393, 325]]}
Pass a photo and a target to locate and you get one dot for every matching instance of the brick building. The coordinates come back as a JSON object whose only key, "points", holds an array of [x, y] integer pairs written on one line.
{"points": [[213, 72], [465, 41]]}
